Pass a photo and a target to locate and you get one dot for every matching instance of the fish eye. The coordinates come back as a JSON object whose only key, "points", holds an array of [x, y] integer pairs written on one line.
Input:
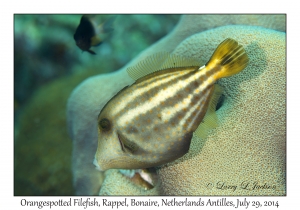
{"points": [[104, 124]]}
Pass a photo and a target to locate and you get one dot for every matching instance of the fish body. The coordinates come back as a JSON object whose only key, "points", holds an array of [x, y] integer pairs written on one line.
{"points": [[152, 121], [89, 33]]}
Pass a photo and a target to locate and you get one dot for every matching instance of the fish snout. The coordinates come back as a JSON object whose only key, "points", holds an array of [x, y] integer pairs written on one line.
{"points": [[95, 162]]}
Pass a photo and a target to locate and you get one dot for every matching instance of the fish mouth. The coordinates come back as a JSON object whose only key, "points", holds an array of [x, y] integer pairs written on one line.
{"points": [[144, 178]]}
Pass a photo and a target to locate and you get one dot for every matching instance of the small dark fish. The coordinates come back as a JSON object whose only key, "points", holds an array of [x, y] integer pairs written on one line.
{"points": [[89, 33]]}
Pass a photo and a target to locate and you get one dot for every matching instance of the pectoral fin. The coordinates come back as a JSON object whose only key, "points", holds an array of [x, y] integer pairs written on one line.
{"points": [[210, 120], [96, 41]]}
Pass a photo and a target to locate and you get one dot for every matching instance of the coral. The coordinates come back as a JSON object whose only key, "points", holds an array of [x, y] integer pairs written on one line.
{"points": [[42, 147], [199, 23], [118, 184], [249, 144], [182, 176], [192, 24]]}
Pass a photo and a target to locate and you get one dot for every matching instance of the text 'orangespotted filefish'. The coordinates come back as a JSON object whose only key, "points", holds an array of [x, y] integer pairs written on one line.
{"points": [[152, 121]]}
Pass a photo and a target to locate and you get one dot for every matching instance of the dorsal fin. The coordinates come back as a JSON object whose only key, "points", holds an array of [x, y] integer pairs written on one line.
{"points": [[175, 61], [210, 120], [147, 66], [160, 61]]}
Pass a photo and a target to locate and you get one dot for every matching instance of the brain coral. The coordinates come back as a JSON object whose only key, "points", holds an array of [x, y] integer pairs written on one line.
{"points": [[192, 24], [249, 145]]}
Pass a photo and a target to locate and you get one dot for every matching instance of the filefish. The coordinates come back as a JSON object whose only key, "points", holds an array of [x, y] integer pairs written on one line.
{"points": [[152, 121], [89, 33]]}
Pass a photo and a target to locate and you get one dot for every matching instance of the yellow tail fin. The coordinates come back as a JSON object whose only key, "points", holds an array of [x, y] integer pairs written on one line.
{"points": [[230, 57]]}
